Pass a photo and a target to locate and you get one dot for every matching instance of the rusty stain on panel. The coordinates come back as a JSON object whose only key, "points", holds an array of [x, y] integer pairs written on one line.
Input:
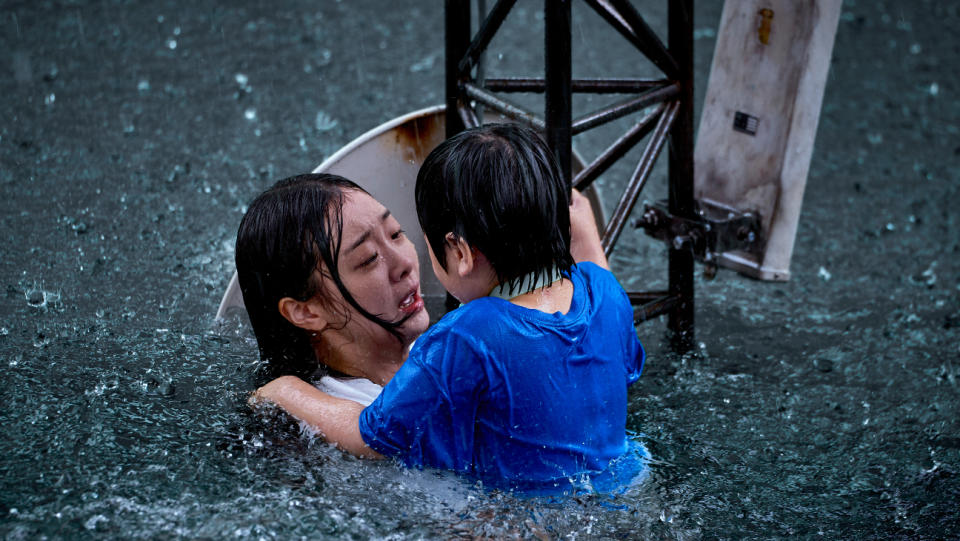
{"points": [[418, 137], [765, 22]]}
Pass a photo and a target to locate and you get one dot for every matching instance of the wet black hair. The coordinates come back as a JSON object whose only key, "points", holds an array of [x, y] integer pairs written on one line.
{"points": [[286, 234], [499, 188]]}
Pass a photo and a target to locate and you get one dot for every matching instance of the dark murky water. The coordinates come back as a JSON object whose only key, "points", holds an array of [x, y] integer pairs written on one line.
{"points": [[133, 134]]}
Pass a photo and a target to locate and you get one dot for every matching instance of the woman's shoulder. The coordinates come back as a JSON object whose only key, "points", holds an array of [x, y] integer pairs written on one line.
{"points": [[359, 390]]}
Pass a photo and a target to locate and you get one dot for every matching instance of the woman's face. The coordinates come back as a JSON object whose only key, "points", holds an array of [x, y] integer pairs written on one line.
{"points": [[378, 265]]}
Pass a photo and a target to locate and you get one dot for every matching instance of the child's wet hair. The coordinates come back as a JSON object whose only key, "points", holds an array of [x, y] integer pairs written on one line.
{"points": [[499, 187]]}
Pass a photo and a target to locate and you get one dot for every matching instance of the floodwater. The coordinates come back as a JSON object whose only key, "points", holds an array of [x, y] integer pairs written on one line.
{"points": [[133, 134]]}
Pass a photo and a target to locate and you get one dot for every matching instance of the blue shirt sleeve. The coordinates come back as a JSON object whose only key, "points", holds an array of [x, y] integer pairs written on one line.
{"points": [[635, 362], [635, 356], [426, 414]]}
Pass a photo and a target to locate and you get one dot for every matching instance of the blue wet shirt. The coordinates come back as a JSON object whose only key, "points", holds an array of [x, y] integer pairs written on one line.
{"points": [[515, 397]]}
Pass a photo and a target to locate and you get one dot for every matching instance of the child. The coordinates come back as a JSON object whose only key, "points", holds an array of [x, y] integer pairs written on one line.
{"points": [[525, 385]]}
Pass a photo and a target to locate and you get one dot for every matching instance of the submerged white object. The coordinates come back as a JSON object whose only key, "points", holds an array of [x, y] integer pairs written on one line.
{"points": [[385, 162], [760, 118]]}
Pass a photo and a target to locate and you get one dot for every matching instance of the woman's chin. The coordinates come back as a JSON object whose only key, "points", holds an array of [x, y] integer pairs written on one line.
{"points": [[415, 326]]}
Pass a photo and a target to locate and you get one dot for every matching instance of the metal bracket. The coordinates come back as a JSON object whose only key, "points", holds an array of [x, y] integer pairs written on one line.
{"points": [[715, 230]]}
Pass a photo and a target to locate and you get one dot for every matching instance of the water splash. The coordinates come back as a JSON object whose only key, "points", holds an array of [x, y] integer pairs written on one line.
{"points": [[40, 298], [324, 122]]}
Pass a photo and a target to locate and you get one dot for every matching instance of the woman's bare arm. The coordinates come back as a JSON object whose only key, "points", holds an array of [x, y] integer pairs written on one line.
{"points": [[584, 238], [336, 419]]}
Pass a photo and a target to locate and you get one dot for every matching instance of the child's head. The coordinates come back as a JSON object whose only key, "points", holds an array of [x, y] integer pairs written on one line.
{"points": [[499, 188]]}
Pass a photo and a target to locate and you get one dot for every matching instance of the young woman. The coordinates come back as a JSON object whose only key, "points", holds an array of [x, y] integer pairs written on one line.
{"points": [[331, 284]]}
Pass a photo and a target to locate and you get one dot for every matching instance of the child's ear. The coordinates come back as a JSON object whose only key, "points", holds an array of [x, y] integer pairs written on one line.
{"points": [[460, 255], [306, 314]]}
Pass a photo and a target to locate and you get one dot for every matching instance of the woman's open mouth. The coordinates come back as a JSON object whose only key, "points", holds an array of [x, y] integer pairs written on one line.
{"points": [[411, 303]]}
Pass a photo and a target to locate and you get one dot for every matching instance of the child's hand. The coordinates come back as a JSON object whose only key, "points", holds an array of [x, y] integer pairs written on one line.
{"points": [[585, 242]]}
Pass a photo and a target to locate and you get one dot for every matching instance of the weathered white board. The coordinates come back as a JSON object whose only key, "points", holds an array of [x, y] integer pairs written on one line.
{"points": [[385, 162], [760, 119]]}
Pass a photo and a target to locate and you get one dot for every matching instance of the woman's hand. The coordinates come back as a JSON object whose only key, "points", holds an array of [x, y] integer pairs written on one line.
{"points": [[584, 237], [271, 391]]}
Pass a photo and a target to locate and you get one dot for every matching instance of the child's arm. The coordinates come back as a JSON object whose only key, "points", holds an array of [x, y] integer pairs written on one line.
{"points": [[584, 238], [335, 418]]}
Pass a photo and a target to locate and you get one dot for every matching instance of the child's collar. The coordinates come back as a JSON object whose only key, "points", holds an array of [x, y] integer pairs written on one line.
{"points": [[528, 283]]}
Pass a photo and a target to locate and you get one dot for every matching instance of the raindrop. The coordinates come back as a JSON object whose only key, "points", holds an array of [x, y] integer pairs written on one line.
{"points": [[171, 44], [143, 85], [241, 79], [824, 274], [175, 173], [929, 276], [4, 331], [324, 56], [325, 122], [875, 138], [423, 65], [934, 89], [915, 48], [701, 33], [176, 30], [51, 75], [250, 114], [49, 99]]}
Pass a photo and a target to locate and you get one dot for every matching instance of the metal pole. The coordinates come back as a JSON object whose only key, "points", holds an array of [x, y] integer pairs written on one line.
{"points": [[558, 76], [623, 108], [680, 202], [457, 40], [593, 86]]}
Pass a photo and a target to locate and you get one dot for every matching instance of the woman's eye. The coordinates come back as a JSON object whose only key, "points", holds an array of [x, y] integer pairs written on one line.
{"points": [[368, 261], [398, 234]]}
